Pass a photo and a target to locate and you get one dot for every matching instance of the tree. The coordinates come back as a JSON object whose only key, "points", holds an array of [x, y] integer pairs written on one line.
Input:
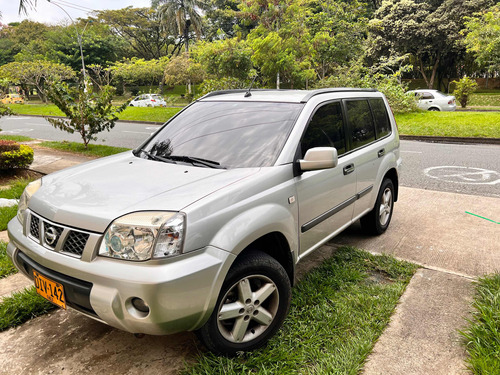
{"points": [[141, 29], [181, 69], [136, 71], [99, 45], [186, 14], [36, 73], [483, 38], [463, 89], [225, 58], [88, 112]]}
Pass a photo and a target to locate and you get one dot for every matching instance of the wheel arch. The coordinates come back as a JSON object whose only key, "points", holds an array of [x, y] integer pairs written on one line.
{"points": [[392, 174]]}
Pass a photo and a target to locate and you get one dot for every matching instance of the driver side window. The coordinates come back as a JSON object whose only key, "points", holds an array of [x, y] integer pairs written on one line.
{"points": [[326, 129]]}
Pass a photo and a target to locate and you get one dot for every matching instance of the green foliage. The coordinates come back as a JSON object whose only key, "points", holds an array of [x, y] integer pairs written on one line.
{"points": [[483, 37], [227, 83], [482, 337], [140, 29], [16, 188], [88, 112], [21, 157], [5, 111], [21, 307], [6, 266], [463, 89], [182, 69], [36, 73], [337, 313], [225, 58], [136, 71], [389, 85]]}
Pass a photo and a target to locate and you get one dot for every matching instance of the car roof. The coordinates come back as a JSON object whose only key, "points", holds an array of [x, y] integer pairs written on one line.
{"points": [[424, 90], [275, 95]]}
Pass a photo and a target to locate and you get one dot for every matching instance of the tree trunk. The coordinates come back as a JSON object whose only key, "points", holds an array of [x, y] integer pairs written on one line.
{"points": [[278, 80], [186, 41]]}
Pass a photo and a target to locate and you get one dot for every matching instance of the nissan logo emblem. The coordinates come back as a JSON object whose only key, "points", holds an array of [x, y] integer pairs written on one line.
{"points": [[50, 236]]}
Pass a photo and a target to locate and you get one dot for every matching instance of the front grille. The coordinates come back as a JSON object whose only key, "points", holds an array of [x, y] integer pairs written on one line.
{"points": [[75, 243], [35, 227], [59, 238]]}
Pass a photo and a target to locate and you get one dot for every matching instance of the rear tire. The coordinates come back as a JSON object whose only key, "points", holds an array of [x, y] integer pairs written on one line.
{"points": [[377, 220], [434, 109], [252, 305]]}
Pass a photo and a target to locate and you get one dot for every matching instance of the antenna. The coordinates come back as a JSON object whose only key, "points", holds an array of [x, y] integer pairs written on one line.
{"points": [[247, 94]]}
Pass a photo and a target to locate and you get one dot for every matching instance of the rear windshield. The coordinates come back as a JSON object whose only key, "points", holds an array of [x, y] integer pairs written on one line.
{"points": [[233, 134]]}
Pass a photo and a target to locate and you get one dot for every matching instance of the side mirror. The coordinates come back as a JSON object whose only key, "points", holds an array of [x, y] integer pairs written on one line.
{"points": [[319, 158]]}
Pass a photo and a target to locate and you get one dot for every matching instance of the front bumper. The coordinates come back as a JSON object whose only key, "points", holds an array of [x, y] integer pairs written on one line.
{"points": [[181, 292]]}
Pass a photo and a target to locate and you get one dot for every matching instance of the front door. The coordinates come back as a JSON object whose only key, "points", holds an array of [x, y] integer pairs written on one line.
{"points": [[325, 197]]}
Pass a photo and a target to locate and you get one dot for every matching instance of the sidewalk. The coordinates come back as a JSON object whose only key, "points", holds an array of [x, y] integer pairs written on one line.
{"points": [[429, 228]]}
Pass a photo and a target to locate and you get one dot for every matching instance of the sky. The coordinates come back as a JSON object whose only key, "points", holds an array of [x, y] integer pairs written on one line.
{"points": [[51, 14]]}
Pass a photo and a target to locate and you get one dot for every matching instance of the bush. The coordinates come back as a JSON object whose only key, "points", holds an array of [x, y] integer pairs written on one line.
{"points": [[14, 158], [463, 89], [389, 85]]}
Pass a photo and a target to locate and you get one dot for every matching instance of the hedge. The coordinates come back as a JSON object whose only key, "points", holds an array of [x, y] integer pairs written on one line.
{"points": [[13, 155]]}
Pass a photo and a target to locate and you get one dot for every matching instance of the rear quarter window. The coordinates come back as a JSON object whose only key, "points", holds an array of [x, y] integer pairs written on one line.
{"points": [[381, 117], [359, 118]]}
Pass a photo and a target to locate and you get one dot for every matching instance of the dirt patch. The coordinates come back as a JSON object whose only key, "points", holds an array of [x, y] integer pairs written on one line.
{"points": [[379, 277], [6, 177]]}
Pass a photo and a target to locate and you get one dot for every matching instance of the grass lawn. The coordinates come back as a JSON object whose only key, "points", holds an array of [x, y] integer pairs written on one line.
{"points": [[14, 192], [450, 124], [16, 138], [6, 266], [338, 312], [482, 338], [21, 307], [92, 150], [484, 99], [153, 114]]}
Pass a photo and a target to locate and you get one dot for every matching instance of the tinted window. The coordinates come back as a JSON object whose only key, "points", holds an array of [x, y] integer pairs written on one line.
{"points": [[234, 134], [326, 129], [360, 121], [382, 124]]}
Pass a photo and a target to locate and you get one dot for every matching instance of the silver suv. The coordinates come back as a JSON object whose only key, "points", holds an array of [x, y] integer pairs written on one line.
{"points": [[201, 227]]}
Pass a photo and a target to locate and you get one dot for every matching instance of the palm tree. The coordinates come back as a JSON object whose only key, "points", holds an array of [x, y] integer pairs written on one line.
{"points": [[177, 16], [24, 4]]}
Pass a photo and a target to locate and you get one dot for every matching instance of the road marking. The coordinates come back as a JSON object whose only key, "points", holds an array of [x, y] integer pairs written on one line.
{"points": [[463, 175], [493, 221], [153, 127], [16, 131], [18, 118], [36, 124], [128, 131], [412, 152]]}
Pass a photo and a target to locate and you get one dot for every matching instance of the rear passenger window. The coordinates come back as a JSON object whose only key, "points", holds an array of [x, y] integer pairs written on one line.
{"points": [[360, 122], [326, 129], [382, 124]]}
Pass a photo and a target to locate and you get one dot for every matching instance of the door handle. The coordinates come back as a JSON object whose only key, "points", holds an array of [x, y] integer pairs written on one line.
{"points": [[348, 169], [381, 153]]}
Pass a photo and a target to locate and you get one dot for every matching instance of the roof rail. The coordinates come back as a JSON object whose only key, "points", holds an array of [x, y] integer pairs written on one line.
{"points": [[233, 91], [306, 98]]}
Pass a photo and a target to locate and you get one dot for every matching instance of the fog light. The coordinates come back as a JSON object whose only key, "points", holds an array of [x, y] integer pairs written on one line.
{"points": [[140, 305]]}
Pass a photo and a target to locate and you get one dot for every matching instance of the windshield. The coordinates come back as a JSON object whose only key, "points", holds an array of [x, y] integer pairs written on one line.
{"points": [[231, 134]]}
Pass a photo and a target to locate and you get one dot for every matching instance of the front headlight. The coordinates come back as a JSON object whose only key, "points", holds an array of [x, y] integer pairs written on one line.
{"points": [[144, 235], [28, 192]]}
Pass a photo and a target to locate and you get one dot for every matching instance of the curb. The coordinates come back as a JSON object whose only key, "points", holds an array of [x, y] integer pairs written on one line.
{"points": [[438, 139], [129, 121]]}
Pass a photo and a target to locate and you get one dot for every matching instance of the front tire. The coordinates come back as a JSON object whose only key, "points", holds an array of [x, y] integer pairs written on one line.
{"points": [[377, 220], [252, 305]]}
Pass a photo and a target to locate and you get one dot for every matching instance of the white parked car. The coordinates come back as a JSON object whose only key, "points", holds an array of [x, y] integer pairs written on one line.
{"points": [[148, 100], [434, 100]]}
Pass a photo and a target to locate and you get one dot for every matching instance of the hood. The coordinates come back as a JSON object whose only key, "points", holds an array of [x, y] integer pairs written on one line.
{"points": [[90, 196]]}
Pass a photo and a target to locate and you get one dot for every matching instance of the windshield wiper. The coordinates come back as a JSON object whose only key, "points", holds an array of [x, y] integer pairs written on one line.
{"points": [[183, 158], [156, 157], [192, 160]]}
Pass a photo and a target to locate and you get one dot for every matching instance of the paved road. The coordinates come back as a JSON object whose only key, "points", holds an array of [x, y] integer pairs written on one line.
{"points": [[458, 168], [467, 169], [124, 134]]}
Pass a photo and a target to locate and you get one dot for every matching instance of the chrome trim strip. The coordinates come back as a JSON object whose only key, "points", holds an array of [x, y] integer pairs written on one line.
{"points": [[364, 192], [334, 210], [327, 214]]}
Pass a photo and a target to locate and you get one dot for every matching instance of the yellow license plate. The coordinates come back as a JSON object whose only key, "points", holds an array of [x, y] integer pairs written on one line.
{"points": [[49, 289]]}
